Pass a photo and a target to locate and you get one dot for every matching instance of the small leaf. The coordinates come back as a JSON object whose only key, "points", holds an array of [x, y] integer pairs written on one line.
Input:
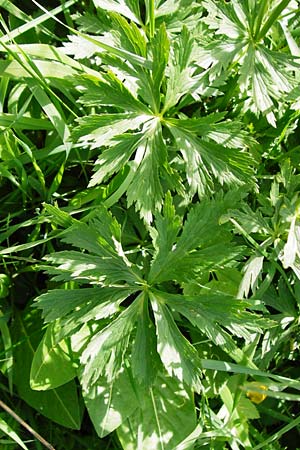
{"points": [[252, 272]]}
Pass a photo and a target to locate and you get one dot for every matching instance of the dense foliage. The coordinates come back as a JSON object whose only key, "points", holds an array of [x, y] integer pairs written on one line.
{"points": [[150, 223]]}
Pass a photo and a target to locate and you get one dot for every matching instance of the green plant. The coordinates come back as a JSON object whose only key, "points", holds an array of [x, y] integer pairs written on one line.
{"points": [[149, 150]]}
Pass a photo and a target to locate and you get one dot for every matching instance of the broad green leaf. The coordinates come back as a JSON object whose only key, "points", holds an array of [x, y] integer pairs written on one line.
{"points": [[109, 403], [24, 123], [52, 364], [165, 417], [48, 69], [179, 357], [44, 52], [60, 404]]}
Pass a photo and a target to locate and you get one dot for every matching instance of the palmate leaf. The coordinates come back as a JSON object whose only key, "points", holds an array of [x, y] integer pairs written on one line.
{"points": [[137, 136], [265, 75], [205, 158], [147, 323], [198, 243]]}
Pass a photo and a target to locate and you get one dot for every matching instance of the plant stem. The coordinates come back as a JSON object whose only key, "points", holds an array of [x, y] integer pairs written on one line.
{"points": [[25, 425], [151, 17]]}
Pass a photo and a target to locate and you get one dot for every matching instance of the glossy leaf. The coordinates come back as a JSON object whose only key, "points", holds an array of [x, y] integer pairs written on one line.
{"points": [[109, 403], [48, 357], [60, 404], [166, 416]]}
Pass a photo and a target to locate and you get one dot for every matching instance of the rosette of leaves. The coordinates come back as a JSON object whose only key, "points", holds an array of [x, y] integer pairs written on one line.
{"points": [[136, 117], [126, 326], [244, 47]]}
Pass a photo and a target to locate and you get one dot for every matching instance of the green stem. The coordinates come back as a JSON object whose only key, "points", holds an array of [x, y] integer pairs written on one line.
{"points": [[151, 17], [264, 253], [6, 338], [273, 17]]}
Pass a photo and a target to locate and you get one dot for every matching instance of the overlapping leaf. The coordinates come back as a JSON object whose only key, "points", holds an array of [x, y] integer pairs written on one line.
{"points": [[201, 243], [264, 74], [141, 103], [164, 418]]}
